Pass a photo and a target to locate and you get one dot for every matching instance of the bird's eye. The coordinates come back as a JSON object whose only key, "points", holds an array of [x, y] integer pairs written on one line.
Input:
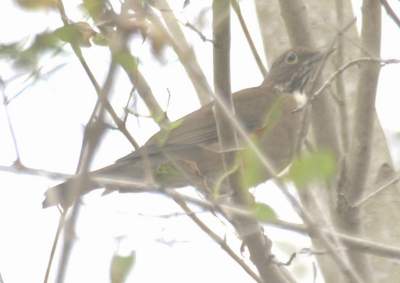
{"points": [[291, 58]]}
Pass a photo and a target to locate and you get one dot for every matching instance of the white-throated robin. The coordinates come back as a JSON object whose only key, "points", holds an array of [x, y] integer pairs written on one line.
{"points": [[189, 153]]}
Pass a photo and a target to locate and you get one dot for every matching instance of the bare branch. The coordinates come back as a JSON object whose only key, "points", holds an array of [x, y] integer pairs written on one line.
{"points": [[257, 243], [220, 241], [198, 32], [183, 50], [61, 222], [359, 157], [339, 71], [391, 12], [236, 8], [352, 242], [92, 135], [22, 169], [10, 126], [356, 243], [120, 124], [368, 197], [340, 84]]}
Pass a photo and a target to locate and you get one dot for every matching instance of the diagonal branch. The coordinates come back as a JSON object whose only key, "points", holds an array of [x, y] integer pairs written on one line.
{"points": [[220, 241], [77, 50], [238, 12], [339, 71], [390, 12], [92, 134], [182, 49], [10, 125]]}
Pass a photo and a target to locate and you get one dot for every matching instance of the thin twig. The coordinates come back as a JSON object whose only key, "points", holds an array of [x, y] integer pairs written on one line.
{"points": [[198, 32], [91, 140], [10, 125], [368, 197], [342, 103], [38, 77], [351, 241], [182, 48], [332, 77], [236, 8], [22, 169], [61, 222], [391, 12], [355, 243], [120, 124], [89, 145], [220, 241]]}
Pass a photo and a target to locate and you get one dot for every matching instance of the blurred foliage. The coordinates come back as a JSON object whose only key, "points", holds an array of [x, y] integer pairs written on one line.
{"points": [[186, 3], [312, 167], [36, 4], [121, 266], [95, 8], [263, 212], [253, 168], [219, 182], [126, 60], [78, 33], [273, 115], [254, 172], [166, 171], [27, 56]]}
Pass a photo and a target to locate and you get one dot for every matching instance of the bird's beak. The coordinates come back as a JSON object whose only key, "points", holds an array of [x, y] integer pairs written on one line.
{"points": [[322, 55]]}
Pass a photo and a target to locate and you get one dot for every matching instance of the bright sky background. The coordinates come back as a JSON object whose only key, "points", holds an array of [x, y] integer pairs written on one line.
{"points": [[48, 120]]}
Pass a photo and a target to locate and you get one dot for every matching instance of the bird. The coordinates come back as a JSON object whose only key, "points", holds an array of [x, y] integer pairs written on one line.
{"points": [[189, 153]]}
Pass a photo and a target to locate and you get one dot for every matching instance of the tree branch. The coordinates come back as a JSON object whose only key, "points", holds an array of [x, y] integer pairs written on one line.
{"points": [[220, 241], [294, 14], [238, 12], [183, 50], [247, 227], [120, 124], [359, 158], [390, 12]]}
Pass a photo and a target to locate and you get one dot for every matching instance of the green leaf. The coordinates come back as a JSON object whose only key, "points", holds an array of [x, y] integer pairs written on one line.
{"points": [[36, 4], [95, 8], [126, 60], [100, 40], [165, 132], [9, 50], [253, 169], [263, 212], [121, 266], [76, 33], [312, 168], [218, 183], [166, 170], [27, 57], [45, 41]]}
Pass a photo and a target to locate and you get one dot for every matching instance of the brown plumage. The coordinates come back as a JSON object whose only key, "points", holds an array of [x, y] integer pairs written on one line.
{"points": [[189, 153]]}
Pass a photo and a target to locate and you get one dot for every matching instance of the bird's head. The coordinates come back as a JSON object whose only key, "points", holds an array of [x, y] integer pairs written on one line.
{"points": [[291, 71]]}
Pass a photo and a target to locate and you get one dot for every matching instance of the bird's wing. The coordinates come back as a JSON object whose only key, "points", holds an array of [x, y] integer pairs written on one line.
{"points": [[199, 129]]}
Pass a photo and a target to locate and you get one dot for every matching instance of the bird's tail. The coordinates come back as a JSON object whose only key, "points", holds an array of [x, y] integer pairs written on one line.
{"points": [[113, 177], [64, 194]]}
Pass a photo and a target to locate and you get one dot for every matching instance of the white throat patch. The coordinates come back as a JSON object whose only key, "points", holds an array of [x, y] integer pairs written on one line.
{"points": [[301, 98]]}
